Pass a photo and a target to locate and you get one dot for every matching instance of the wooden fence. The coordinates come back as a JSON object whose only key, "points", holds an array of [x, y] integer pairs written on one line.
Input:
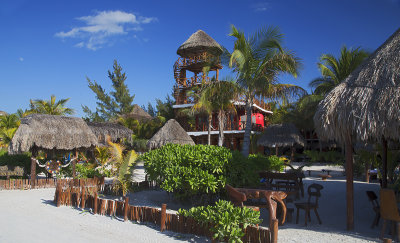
{"points": [[87, 197], [24, 184]]}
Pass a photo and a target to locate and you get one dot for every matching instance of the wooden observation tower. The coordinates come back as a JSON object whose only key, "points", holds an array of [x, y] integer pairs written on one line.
{"points": [[197, 52]]}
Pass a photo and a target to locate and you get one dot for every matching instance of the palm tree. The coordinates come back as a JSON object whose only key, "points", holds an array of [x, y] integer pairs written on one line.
{"points": [[336, 70], [202, 106], [217, 96], [51, 107], [8, 126], [258, 61]]}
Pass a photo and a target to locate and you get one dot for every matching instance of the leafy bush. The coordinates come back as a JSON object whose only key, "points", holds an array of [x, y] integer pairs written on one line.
{"points": [[192, 171], [22, 160], [328, 156], [139, 144], [84, 170], [227, 222]]}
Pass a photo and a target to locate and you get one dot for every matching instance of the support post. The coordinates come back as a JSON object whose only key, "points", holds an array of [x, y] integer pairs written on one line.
{"points": [[95, 204], [126, 206], [163, 216], [276, 150], [83, 197], [384, 160], [33, 171], [58, 191], [274, 231], [349, 183], [292, 154]]}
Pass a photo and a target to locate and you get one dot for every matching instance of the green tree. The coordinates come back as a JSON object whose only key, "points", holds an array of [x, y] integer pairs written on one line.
{"points": [[258, 61], [336, 70], [50, 107], [8, 126], [116, 103], [164, 108]]}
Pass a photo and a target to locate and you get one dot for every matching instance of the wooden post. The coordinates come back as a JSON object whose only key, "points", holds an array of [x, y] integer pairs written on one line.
{"points": [[276, 150], [386, 240], [384, 160], [292, 154], [95, 203], [126, 206], [274, 231], [349, 183], [33, 171], [83, 197], [73, 165], [58, 191], [163, 216], [217, 75], [367, 172]]}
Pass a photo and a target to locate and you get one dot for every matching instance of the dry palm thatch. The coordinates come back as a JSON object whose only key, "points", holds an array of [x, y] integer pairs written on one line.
{"points": [[199, 42], [49, 132], [139, 114], [366, 105], [3, 113], [116, 132], [281, 135], [171, 132]]}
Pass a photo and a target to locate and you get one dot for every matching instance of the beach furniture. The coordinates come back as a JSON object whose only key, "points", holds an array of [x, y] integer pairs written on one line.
{"points": [[324, 176], [244, 197], [389, 211], [283, 181], [375, 206], [314, 191]]}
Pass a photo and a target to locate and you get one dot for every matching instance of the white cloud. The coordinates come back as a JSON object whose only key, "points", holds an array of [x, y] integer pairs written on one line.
{"points": [[98, 29], [21, 59], [260, 7]]}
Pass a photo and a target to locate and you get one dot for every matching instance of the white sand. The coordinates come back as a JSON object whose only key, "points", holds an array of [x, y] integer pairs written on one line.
{"points": [[30, 216]]}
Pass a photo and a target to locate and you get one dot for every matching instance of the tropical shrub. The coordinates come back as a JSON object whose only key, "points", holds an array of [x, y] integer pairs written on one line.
{"points": [[328, 156], [201, 171], [22, 160], [227, 222]]}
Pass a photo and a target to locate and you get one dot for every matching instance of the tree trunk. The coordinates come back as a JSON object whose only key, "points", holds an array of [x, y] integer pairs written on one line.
{"points": [[349, 184], [247, 131], [33, 171], [292, 154], [384, 160], [209, 128], [221, 123]]}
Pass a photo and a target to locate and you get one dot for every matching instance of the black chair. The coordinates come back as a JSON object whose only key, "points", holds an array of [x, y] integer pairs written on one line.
{"points": [[314, 190], [375, 206]]}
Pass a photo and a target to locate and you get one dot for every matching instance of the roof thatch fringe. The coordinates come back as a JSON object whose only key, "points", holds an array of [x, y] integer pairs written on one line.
{"points": [[171, 132], [139, 114], [48, 132], [116, 131], [281, 135], [199, 42], [366, 105]]}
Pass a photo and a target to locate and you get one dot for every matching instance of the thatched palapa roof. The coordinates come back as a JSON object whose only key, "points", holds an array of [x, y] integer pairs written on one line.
{"points": [[48, 132], [116, 131], [366, 105], [139, 114], [171, 132], [199, 42], [281, 135], [3, 113]]}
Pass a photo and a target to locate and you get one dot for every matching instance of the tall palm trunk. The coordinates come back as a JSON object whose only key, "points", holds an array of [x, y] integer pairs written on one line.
{"points": [[247, 131], [221, 124], [209, 128]]}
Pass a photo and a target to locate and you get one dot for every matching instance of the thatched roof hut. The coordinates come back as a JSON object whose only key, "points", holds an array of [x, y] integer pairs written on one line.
{"points": [[365, 107], [199, 42], [3, 113], [48, 132], [116, 131], [139, 114], [281, 135], [171, 132]]}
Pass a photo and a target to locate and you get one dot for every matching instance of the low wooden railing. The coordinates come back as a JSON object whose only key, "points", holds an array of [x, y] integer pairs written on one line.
{"points": [[87, 198]]}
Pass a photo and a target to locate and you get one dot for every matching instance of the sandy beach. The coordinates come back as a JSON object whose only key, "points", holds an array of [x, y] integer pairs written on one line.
{"points": [[31, 215]]}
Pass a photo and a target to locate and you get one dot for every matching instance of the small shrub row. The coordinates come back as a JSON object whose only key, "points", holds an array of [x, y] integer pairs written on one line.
{"points": [[328, 156]]}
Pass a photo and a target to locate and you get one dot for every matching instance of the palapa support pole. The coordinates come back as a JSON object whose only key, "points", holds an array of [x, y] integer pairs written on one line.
{"points": [[276, 150], [126, 207], [384, 160], [163, 216], [349, 183], [292, 154], [33, 169], [58, 191], [73, 164]]}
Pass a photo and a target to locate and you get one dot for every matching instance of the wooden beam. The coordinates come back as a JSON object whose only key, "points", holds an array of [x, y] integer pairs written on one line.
{"points": [[349, 184], [33, 171]]}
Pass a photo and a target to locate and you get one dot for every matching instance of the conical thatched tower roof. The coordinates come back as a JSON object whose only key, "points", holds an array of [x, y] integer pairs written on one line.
{"points": [[48, 132], [281, 135], [367, 104], [171, 132], [139, 114], [199, 42], [116, 131]]}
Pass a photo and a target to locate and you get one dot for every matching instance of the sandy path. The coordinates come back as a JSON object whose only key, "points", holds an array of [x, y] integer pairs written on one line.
{"points": [[31, 216]]}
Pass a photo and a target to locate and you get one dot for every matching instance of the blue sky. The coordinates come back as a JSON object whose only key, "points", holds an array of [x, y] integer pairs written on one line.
{"points": [[50, 47]]}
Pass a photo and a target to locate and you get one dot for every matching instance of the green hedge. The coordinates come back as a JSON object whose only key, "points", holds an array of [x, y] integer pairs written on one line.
{"points": [[22, 160], [195, 171]]}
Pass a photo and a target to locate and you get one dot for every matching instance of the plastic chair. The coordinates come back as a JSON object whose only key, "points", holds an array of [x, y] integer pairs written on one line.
{"points": [[389, 210], [375, 206], [314, 190]]}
